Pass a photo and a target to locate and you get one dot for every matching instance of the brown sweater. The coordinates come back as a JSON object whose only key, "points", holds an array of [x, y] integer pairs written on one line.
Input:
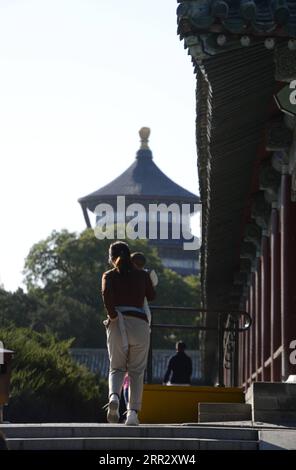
{"points": [[127, 290]]}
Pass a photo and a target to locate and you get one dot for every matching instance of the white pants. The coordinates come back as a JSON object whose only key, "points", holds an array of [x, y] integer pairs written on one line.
{"points": [[133, 361]]}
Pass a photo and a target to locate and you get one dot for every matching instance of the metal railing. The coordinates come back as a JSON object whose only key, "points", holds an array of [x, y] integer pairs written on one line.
{"points": [[227, 328]]}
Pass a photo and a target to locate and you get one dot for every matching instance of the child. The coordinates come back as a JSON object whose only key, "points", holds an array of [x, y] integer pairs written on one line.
{"points": [[125, 387], [139, 261]]}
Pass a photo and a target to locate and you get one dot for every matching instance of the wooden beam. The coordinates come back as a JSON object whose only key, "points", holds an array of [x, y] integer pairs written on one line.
{"points": [[86, 216]]}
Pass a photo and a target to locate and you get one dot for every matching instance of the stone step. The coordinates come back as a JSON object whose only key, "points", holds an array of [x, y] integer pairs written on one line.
{"points": [[215, 412], [92, 430], [277, 439], [127, 443], [273, 402]]}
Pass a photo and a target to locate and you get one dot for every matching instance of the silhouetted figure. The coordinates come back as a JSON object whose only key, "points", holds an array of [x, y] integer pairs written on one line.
{"points": [[179, 366]]}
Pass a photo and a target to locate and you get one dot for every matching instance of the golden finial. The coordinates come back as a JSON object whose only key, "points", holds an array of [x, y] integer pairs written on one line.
{"points": [[144, 133]]}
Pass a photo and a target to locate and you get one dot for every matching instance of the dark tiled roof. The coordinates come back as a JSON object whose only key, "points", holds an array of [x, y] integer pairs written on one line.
{"points": [[211, 27], [142, 179], [240, 16]]}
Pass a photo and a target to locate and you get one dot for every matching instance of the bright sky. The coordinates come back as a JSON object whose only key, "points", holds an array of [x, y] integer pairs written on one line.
{"points": [[78, 78]]}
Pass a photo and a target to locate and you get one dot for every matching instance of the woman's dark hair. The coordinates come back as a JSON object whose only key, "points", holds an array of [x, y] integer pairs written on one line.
{"points": [[120, 256]]}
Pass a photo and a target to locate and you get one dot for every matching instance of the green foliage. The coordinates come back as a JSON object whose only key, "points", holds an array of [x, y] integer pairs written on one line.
{"points": [[65, 316], [177, 290], [47, 385], [16, 308], [68, 317], [68, 264]]}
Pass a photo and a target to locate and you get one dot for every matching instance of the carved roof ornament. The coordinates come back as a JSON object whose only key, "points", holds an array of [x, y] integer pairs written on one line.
{"points": [[144, 133], [240, 278], [245, 265], [261, 210], [290, 122], [269, 181], [280, 160], [278, 136], [253, 234], [248, 251], [220, 9], [285, 63]]}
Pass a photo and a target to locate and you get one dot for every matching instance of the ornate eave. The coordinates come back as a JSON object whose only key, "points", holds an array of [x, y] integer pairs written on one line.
{"points": [[212, 27], [240, 49]]}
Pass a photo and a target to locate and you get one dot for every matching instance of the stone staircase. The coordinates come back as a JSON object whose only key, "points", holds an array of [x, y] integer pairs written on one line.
{"points": [[121, 437], [266, 421], [273, 402], [223, 412], [266, 402]]}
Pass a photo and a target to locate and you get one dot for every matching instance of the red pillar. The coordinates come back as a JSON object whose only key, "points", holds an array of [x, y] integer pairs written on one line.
{"points": [[288, 278], [258, 318], [252, 329], [242, 339], [242, 344], [265, 306], [247, 344], [275, 295]]}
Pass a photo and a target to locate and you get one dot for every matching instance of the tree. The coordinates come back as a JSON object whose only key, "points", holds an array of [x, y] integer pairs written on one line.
{"points": [[17, 308], [47, 385]]}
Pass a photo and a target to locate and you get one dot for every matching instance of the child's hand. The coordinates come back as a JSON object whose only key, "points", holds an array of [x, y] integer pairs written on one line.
{"points": [[153, 277], [106, 322]]}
